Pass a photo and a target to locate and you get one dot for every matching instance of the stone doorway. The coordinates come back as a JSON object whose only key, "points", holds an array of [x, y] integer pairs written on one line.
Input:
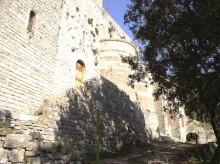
{"points": [[192, 137]]}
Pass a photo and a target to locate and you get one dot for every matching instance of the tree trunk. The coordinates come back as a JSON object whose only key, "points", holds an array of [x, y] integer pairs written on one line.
{"points": [[214, 123], [216, 156]]}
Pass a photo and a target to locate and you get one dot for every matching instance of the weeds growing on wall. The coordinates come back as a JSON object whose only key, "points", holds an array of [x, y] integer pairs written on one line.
{"points": [[67, 14], [26, 159], [93, 34], [5, 128], [58, 145], [95, 51], [96, 31], [111, 28], [90, 21]]}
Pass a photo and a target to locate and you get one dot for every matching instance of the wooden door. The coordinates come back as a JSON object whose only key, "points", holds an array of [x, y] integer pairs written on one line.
{"points": [[79, 73]]}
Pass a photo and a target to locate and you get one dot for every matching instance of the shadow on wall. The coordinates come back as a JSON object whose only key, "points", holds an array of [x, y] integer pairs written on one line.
{"points": [[5, 116], [73, 117], [5, 122]]}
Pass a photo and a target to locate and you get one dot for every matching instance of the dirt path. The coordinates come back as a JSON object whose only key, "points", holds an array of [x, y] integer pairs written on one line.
{"points": [[158, 154]]}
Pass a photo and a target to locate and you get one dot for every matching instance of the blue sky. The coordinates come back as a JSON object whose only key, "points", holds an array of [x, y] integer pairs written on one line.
{"points": [[117, 8]]}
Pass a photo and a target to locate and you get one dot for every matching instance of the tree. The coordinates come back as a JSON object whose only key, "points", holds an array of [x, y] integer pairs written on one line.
{"points": [[181, 49]]}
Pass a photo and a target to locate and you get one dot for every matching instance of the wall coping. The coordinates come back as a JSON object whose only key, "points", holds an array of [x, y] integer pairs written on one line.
{"points": [[121, 40]]}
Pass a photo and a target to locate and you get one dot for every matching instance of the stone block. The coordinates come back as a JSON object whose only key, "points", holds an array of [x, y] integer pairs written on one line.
{"points": [[49, 147], [35, 160], [2, 151], [1, 143], [72, 162], [55, 156], [75, 156], [77, 162], [16, 141], [44, 159], [58, 162], [32, 146], [43, 120], [67, 158], [32, 153], [50, 137], [3, 160], [16, 156], [36, 135], [24, 117]]}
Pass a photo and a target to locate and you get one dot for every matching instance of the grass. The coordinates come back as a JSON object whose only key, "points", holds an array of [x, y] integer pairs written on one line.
{"points": [[58, 145], [5, 128]]}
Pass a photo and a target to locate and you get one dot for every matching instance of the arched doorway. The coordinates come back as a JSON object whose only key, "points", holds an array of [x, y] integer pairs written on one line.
{"points": [[192, 137], [80, 70]]}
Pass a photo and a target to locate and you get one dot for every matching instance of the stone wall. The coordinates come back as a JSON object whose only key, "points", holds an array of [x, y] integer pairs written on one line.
{"points": [[204, 132], [35, 65], [79, 39], [160, 114], [71, 118], [27, 59], [20, 148]]}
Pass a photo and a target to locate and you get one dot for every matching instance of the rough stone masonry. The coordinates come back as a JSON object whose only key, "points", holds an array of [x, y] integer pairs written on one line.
{"points": [[40, 44]]}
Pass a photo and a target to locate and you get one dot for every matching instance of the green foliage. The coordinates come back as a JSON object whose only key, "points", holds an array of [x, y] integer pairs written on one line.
{"points": [[90, 21], [200, 153], [17, 132], [67, 14], [58, 145], [96, 31], [95, 51], [77, 9], [111, 28], [26, 159], [5, 128], [181, 48], [93, 34]]}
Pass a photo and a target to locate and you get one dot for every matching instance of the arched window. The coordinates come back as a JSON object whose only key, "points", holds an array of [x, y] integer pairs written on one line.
{"points": [[79, 72], [31, 22]]}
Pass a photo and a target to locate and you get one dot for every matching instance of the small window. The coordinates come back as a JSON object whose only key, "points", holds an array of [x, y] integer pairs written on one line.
{"points": [[31, 22]]}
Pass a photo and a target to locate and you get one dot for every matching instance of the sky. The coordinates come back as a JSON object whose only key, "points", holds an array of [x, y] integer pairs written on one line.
{"points": [[117, 8]]}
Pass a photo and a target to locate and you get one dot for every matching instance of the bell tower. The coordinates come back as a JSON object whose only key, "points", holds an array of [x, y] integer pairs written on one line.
{"points": [[98, 2]]}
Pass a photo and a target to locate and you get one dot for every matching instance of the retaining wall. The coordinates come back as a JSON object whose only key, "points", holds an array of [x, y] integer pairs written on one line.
{"points": [[70, 118]]}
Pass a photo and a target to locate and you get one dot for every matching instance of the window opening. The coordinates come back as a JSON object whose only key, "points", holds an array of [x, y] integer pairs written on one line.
{"points": [[31, 22], [79, 73]]}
